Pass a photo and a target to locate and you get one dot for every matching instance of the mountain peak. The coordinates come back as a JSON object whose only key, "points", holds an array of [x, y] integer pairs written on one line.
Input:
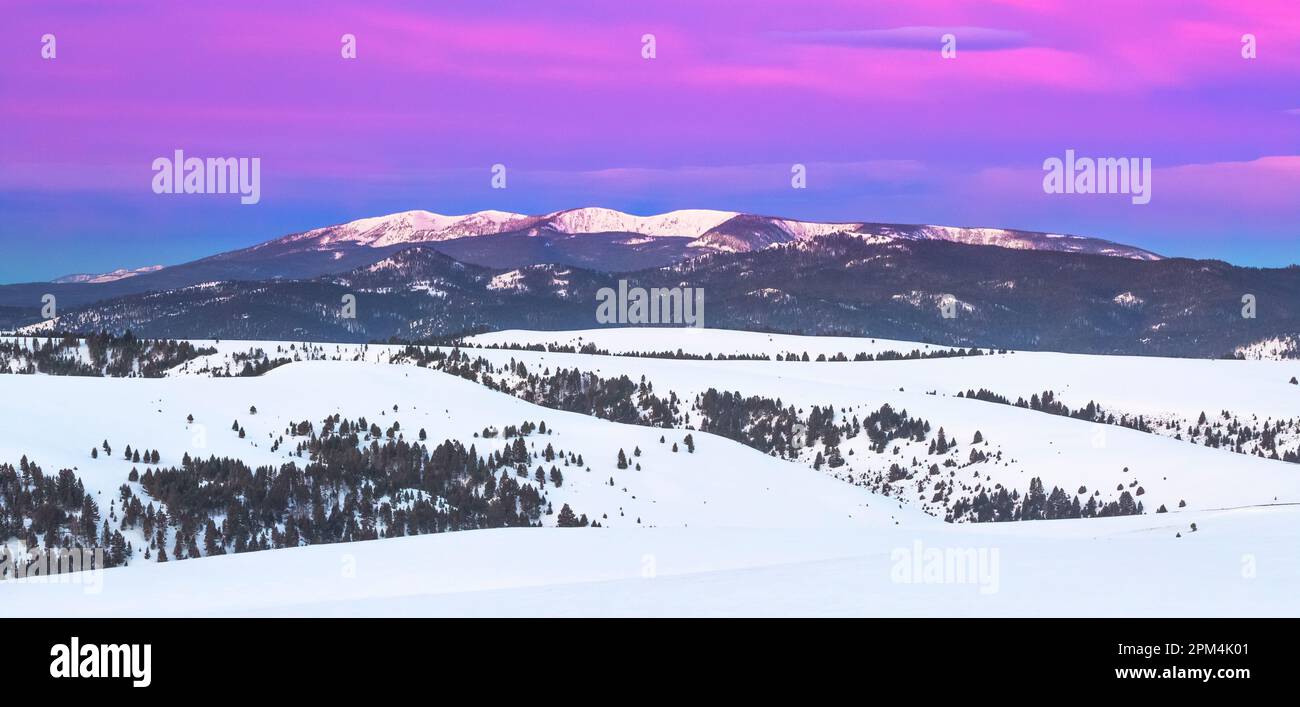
{"points": [[416, 226], [682, 223]]}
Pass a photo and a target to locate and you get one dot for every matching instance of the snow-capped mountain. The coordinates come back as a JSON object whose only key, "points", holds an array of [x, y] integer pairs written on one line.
{"points": [[683, 223], [114, 276], [409, 227], [1007, 238], [745, 233], [593, 239], [428, 227], [709, 230]]}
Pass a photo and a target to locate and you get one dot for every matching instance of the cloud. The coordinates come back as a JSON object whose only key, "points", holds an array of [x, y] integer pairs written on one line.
{"points": [[732, 180], [927, 38]]}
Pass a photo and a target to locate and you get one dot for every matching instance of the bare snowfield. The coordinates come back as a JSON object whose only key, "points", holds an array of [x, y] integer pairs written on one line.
{"points": [[1240, 563], [702, 341], [726, 530]]}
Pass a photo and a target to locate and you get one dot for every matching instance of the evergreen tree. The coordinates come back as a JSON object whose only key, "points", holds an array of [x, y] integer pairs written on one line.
{"points": [[567, 518]]}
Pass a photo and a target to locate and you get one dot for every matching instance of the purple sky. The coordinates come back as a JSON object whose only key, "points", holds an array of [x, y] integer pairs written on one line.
{"points": [[559, 93]]}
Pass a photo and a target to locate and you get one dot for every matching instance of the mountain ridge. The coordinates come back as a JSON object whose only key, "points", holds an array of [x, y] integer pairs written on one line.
{"points": [[708, 230], [494, 238], [842, 284]]}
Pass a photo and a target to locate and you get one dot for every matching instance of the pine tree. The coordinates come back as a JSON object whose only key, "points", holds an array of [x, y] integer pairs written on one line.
{"points": [[567, 518]]}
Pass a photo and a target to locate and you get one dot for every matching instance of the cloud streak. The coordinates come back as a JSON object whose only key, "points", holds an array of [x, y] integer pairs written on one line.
{"points": [[920, 38]]}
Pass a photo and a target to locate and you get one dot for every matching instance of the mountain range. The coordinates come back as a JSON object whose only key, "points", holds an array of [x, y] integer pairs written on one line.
{"points": [[418, 274], [596, 238]]}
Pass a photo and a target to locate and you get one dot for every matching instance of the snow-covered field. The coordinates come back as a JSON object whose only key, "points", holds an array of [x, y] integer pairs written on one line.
{"points": [[725, 530], [722, 483], [701, 341], [1240, 563], [1144, 384], [1062, 451]]}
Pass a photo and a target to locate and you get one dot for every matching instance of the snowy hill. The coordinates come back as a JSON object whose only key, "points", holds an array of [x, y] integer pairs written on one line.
{"points": [[705, 524], [1105, 567], [1172, 466], [720, 483]]}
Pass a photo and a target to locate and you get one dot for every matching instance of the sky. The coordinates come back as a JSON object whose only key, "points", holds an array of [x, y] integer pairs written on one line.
{"points": [[562, 94]]}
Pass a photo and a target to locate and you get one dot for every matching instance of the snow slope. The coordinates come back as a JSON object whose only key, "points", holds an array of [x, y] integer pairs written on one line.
{"points": [[1063, 451], [1106, 460], [1143, 384], [702, 341], [726, 530], [1239, 563], [722, 484]]}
